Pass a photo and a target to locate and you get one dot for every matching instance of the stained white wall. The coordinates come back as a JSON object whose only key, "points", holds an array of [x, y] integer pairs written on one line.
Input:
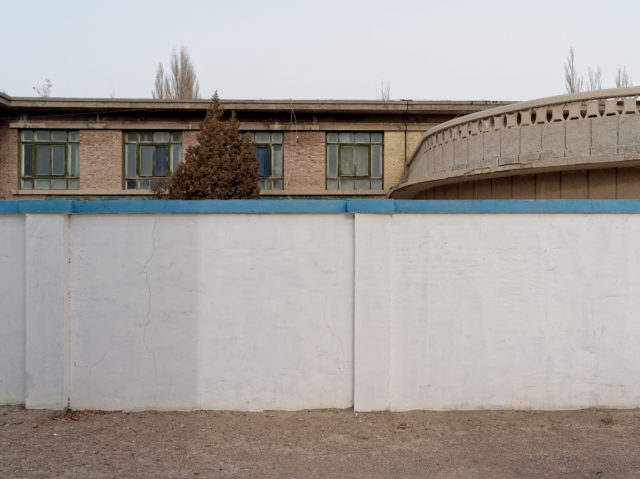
{"points": [[293, 311], [12, 309], [212, 311]]}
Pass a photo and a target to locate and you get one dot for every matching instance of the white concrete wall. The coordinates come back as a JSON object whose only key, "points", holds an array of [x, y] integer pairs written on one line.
{"points": [[293, 311], [12, 309]]}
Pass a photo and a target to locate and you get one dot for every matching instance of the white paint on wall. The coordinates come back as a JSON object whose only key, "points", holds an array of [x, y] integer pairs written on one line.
{"points": [[241, 312], [515, 311], [294, 311], [12, 309]]}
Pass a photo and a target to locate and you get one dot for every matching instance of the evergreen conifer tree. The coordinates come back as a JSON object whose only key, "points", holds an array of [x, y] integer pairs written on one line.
{"points": [[222, 166]]}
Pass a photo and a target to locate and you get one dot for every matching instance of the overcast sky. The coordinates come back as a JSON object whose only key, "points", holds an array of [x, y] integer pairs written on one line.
{"points": [[442, 50]]}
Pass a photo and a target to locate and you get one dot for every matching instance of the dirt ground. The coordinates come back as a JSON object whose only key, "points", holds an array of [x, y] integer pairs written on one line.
{"points": [[594, 443]]}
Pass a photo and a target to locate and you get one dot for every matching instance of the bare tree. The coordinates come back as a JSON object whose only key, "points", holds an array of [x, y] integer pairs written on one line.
{"points": [[180, 82], [385, 90], [573, 82], [44, 90], [623, 79], [594, 81]]}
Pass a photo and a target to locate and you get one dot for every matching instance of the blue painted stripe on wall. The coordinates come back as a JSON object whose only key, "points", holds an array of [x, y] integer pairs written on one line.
{"points": [[320, 206]]}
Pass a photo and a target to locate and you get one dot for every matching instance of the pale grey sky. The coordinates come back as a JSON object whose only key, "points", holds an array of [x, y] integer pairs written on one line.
{"points": [[441, 50]]}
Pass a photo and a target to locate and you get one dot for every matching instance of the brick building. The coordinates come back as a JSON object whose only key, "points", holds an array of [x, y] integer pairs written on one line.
{"points": [[106, 148]]}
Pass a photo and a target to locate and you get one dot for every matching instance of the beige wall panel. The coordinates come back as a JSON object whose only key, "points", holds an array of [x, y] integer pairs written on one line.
{"points": [[530, 143], [578, 137], [629, 183], [438, 160], [553, 140], [438, 193], [448, 153], [548, 186], [523, 187], [604, 135], [629, 134], [475, 150], [602, 184], [574, 184], [461, 152], [491, 147], [501, 188], [482, 190], [451, 192], [465, 190], [510, 146]]}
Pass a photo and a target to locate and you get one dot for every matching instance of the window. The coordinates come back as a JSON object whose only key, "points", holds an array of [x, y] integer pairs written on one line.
{"points": [[49, 159], [150, 156], [268, 148], [354, 161]]}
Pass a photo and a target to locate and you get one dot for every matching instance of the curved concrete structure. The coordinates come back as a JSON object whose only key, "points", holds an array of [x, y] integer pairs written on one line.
{"points": [[584, 145]]}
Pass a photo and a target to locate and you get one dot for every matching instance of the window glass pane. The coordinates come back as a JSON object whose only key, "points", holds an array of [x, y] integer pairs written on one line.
{"points": [[43, 159], [58, 184], [332, 184], [130, 160], [74, 184], [362, 161], [27, 135], [176, 137], [362, 137], [27, 160], [146, 137], [176, 156], [42, 184], [74, 135], [277, 184], [332, 161], [346, 137], [73, 160], [276, 163], [332, 138], [161, 161], [262, 137], [263, 184], [161, 137], [131, 137], [131, 184], [276, 137], [376, 137], [376, 184], [264, 157], [376, 161], [58, 160], [27, 184], [347, 185], [144, 184], [43, 135], [59, 135], [346, 161], [146, 160], [362, 185]]}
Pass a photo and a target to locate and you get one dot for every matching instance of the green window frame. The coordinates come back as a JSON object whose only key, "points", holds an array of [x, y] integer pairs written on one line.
{"points": [[268, 146], [49, 159], [355, 160], [150, 156]]}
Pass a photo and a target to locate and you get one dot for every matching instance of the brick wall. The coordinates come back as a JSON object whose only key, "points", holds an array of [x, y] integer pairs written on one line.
{"points": [[101, 160], [394, 154], [304, 161], [9, 161]]}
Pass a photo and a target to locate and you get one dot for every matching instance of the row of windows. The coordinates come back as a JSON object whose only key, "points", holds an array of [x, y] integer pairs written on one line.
{"points": [[50, 159]]}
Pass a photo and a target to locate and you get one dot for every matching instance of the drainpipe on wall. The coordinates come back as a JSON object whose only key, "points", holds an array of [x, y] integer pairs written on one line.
{"points": [[406, 115]]}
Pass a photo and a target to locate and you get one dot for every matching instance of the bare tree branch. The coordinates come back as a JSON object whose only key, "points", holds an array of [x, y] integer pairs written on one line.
{"points": [[385, 90], [44, 90], [573, 82], [594, 82], [623, 79], [180, 82]]}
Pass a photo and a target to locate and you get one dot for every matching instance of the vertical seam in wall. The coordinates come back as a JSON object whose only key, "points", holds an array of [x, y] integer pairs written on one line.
{"points": [[353, 314], [67, 310]]}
